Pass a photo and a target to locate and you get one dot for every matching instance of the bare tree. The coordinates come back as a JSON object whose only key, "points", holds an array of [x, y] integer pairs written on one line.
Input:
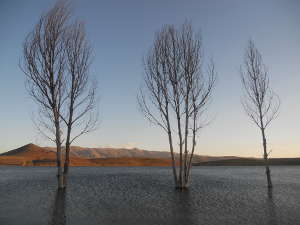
{"points": [[56, 63], [176, 92], [81, 113], [260, 103], [44, 67]]}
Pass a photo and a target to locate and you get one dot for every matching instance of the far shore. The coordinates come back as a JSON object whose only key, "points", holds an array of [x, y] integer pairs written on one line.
{"points": [[143, 162], [118, 162]]}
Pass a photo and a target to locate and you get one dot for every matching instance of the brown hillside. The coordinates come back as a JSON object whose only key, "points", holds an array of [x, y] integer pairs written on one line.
{"points": [[33, 155], [31, 151], [131, 162], [94, 153]]}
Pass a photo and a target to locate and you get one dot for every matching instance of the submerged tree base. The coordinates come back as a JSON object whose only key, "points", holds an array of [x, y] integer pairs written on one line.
{"points": [[182, 188], [61, 188]]}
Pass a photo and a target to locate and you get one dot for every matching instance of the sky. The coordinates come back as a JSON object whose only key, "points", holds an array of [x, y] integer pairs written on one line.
{"points": [[121, 32]]}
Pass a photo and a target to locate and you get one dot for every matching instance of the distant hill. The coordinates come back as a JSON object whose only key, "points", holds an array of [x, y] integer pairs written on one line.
{"points": [[26, 155], [32, 151], [33, 155], [92, 153]]}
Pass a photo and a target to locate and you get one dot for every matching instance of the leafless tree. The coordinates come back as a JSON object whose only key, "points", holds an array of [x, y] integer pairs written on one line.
{"points": [[81, 113], [176, 92], [56, 63], [44, 67], [260, 103]]}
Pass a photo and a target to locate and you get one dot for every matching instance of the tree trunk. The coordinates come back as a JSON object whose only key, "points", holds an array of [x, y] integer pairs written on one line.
{"points": [[66, 165], [60, 175], [68, 141], [180, 150], [59, 155], [68, 145], [186, 132], [191, 157], [268, 172], [173, 159]]}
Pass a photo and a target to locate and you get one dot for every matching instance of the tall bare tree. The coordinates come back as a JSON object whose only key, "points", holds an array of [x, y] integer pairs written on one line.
{"points": [[81, 113], [260, 103], [44, 67], [56, 63], [176, 92]]}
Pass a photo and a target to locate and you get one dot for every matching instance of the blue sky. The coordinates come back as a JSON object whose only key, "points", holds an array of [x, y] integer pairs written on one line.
{"points": [[121, 33]]}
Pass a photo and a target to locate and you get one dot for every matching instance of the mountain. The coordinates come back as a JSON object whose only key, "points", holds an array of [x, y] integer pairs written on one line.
{"points": [[91, 153], [33, 155], [31, 151], [29, 155], [46, 156]]}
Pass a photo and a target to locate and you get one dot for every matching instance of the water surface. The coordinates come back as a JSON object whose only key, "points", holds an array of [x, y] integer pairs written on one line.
{"points": [[145, 196]]}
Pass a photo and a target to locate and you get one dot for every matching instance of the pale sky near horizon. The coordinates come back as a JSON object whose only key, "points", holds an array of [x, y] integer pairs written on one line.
{"points": [[121, 32]]}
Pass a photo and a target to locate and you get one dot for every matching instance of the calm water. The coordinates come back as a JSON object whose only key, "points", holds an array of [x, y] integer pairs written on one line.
{"points": [[123, 196]]}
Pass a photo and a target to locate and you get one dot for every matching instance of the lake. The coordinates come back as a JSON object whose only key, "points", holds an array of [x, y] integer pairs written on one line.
{"points": [[146, 196]]}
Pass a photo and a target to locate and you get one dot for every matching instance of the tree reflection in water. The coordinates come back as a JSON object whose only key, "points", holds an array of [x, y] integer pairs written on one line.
{"points": [[271, 207], [58, 216]]}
